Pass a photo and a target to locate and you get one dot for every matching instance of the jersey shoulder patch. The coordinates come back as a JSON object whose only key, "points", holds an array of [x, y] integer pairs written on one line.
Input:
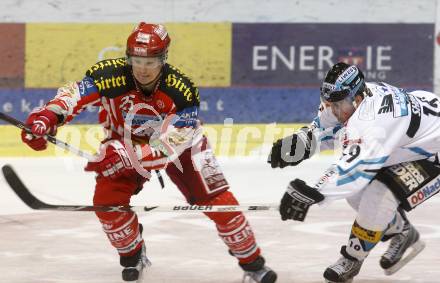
{"points": [[391, 100], [179, 88], [112, 77]]}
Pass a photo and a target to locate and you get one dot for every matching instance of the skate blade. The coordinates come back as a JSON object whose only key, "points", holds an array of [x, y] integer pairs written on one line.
{"points": [[416, 248], [349, 281], [247, 279], [147, 263], [141, 275]]}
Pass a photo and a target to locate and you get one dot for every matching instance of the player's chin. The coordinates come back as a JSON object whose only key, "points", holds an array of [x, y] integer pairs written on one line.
{"points": [[145, 80]]}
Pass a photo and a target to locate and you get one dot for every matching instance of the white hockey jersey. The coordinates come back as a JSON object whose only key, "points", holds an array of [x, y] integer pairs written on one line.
{"points": [[389, 127]]}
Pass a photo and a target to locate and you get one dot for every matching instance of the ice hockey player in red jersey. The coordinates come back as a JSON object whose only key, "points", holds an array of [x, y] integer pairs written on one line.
{"points": [[149, 110]]}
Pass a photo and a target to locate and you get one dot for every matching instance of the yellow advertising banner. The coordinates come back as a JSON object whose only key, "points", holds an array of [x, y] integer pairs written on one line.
{"points": [[202, 51], [58, 53], [226, 140]]}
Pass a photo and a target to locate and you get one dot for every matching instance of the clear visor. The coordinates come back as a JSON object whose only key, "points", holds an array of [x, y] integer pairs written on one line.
{"points": [[146, 62]]}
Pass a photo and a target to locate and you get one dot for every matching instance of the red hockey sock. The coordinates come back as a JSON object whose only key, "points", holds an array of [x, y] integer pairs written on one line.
{"points": [[234, 229], [122, 229]]}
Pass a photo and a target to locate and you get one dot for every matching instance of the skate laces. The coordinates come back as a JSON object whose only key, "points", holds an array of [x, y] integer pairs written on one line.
{"points": [[397, 242], [343, 265], [395, 245]]}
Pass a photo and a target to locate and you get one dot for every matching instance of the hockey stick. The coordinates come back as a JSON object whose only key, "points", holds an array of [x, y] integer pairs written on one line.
{"points": [[61, 144], [29, 199], [51, 139]]}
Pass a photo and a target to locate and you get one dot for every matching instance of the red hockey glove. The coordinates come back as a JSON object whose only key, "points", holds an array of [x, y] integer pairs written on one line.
{"points": [[41, 121], [113, 161]]}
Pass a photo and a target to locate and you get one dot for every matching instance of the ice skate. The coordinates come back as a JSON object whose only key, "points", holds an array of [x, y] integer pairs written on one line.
{"points": [[134, 266], [257, 272], [402, 249], [344, 270]]}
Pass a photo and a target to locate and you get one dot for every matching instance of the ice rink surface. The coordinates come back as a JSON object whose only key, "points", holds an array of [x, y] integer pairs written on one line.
{"points": [[70, 247]]}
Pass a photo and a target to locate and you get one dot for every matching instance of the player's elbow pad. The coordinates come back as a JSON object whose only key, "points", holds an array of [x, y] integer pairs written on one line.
{"points": [[66, 99]]}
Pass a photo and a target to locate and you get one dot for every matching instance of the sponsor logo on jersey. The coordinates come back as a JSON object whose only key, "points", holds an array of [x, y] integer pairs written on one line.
{"points": [[115, 63], [324, 179], [394, 100], [386, 105], [186, 90], [187, 117], [108, 83], [151, 123], [140, 119], [399, 102], [424, 193], [410, 176], [86, 87]]}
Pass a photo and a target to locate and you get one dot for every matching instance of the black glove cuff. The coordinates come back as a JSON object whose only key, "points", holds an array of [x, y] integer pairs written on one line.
{"points": [[300, 191]]}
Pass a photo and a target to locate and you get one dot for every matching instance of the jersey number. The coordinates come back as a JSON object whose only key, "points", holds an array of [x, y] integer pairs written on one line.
{"points": [[429, 110], [353, 152]]}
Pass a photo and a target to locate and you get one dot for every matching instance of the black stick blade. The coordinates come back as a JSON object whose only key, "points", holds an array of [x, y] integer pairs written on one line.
{"points": [[33, 202], [21, 190]]}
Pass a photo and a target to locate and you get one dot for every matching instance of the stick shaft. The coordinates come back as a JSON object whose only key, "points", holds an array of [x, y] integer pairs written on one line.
{"points": [[50, 138]]}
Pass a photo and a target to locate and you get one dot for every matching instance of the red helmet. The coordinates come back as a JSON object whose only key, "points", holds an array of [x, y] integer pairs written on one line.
{"points": [[148, 40]]}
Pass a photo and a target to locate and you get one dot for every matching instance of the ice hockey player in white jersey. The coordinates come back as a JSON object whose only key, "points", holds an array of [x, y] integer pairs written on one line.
{"points": [[389, 140]]}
